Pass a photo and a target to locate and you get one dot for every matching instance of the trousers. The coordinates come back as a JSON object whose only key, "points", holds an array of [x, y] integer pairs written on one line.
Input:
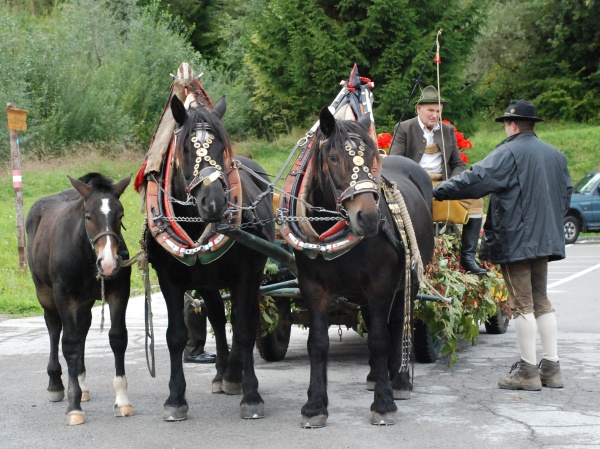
{"points": [[526, 282]]}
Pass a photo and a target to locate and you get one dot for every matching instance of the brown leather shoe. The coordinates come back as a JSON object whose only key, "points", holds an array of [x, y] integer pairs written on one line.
{"points": [[526, 378]]}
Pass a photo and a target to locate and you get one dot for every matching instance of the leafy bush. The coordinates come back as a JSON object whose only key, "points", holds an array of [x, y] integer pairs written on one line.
{"points": [[476, 298], [91, 71]]}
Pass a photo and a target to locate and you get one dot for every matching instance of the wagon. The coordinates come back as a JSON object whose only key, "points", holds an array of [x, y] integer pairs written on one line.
{"points": [[287, 299]]}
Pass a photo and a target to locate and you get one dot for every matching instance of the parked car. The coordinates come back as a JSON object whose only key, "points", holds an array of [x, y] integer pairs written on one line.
{"points": [[584, 212]]}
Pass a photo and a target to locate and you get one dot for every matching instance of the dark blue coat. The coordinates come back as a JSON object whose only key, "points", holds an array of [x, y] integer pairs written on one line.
{"points": [[530, 189]]}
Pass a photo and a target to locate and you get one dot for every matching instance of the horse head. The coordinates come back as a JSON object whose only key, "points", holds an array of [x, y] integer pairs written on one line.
{"points": [[346, 168], [103, 214], [202, 156]]}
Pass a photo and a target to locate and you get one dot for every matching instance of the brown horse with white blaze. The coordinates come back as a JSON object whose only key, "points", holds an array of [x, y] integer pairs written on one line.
{"points": [[74, 245]]}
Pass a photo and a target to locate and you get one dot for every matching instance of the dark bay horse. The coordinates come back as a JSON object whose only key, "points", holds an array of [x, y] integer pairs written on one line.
{"points": [[203, 196], [342, 176], [74, 239]]}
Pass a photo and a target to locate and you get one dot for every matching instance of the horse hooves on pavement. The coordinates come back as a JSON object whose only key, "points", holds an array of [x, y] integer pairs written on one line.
{"points": [[314, 422], [231, 387], [216, 388], [123, 410], [173, 414], [75, 418], [402, 394], [85, 395], [386, 419], [56, 396], [254, 411], [370, 385]]}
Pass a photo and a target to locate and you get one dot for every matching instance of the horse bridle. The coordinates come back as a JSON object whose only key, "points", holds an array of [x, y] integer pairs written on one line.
{"points": [[213, 171], [357, 185]]}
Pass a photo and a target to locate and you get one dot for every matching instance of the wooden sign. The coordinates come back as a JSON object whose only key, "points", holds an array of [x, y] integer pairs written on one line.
{"points": [[17, 119]]}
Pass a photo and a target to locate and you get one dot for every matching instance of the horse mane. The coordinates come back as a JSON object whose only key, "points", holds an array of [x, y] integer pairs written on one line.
{"points": [[98, 181], [337, 140], [202, 114]]}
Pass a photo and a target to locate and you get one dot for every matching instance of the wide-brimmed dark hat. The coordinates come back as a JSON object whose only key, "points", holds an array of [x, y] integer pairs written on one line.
{"points": [[430, 95], [520, 110]]}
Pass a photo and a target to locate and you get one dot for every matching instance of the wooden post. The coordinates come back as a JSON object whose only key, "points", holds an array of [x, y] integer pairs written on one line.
{"points": [[17, 122]]}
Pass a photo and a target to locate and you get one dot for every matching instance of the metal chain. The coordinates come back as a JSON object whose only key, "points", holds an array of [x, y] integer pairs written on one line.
{"points": [[280, 218]]}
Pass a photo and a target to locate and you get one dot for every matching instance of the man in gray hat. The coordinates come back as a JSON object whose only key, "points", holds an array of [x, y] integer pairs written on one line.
{"points": [[431, 143], [530, 189]]}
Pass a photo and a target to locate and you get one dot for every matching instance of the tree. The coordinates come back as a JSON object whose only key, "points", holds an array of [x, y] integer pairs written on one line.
{"points": [[548, 53], [303, 48]]}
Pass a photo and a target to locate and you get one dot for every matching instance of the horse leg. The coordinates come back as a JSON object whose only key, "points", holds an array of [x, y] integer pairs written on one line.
{"points": [[244, 296], [56, 389], [233, 375], [399, 363], [118, 339], [314, 412], [84, 321], [215, 311], [399, 360], [383, 408], [176, 406], [71, 348]]}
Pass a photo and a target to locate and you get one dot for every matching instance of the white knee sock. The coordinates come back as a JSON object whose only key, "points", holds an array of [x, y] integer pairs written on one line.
{"points": [[546, 325], [526, 327]]}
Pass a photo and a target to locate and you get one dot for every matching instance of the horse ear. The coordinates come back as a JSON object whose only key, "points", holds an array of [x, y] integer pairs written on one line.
{"points": [[83, 189], [220, 107], [178, 110], [122, 185], [365, 120], [326, 122]]}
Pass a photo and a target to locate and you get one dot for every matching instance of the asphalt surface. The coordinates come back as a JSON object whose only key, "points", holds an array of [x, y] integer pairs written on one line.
{"points": [[451, 407]]}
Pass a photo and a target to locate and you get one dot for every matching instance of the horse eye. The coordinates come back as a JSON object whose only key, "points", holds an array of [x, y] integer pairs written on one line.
{"points": [[334, 158], [88, 217]]}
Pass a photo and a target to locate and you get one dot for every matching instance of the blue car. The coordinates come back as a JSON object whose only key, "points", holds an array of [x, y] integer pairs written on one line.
{"points": [[584, 212]]}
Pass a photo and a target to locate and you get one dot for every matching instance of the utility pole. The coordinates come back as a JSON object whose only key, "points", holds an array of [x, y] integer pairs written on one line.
{"points": [[17, 121]]}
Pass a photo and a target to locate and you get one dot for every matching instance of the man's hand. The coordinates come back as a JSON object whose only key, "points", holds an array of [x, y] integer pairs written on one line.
{"points": [[439, 195]]}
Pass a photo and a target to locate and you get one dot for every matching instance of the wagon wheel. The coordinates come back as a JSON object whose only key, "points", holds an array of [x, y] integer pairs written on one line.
{"points": [[497, 324], [273, 347], [426, 346]]}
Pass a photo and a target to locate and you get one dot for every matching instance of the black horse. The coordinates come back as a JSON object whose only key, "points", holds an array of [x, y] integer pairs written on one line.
{"points": [[74, 240], [203, 195], [342, 176]]}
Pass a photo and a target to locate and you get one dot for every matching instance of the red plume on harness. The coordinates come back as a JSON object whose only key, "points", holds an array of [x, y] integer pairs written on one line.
{"points": [[140, 179]]}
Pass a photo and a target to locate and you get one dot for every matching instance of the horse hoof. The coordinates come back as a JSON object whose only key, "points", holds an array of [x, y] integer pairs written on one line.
{"points": [[123, 410], [231, 387], [75, 418], [56, 396], [370, 385], [402, 394], [172, 414], [85, 396], [314, 422], [387, 419], [216, 388], [255, 411]]}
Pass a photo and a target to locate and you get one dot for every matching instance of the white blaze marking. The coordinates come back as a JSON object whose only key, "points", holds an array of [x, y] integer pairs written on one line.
{"points": [[108, 263], [105, 209]]}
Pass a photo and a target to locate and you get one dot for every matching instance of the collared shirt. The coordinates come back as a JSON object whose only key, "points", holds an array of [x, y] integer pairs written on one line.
{"points": [[432, 163]]}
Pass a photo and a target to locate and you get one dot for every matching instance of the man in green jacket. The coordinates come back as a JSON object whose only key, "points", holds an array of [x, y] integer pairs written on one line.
{"points": [[530, 190]]}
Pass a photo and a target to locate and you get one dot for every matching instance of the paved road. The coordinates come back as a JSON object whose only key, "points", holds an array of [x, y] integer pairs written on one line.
{"points": [[457, 407]]}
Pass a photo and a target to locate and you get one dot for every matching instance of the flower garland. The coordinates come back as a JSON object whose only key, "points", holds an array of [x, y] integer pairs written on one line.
{"points": [[462, 143]]}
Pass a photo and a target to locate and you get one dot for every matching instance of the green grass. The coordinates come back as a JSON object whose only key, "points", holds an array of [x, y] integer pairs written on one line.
{"points": [[17, 294], [579, 142]]}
